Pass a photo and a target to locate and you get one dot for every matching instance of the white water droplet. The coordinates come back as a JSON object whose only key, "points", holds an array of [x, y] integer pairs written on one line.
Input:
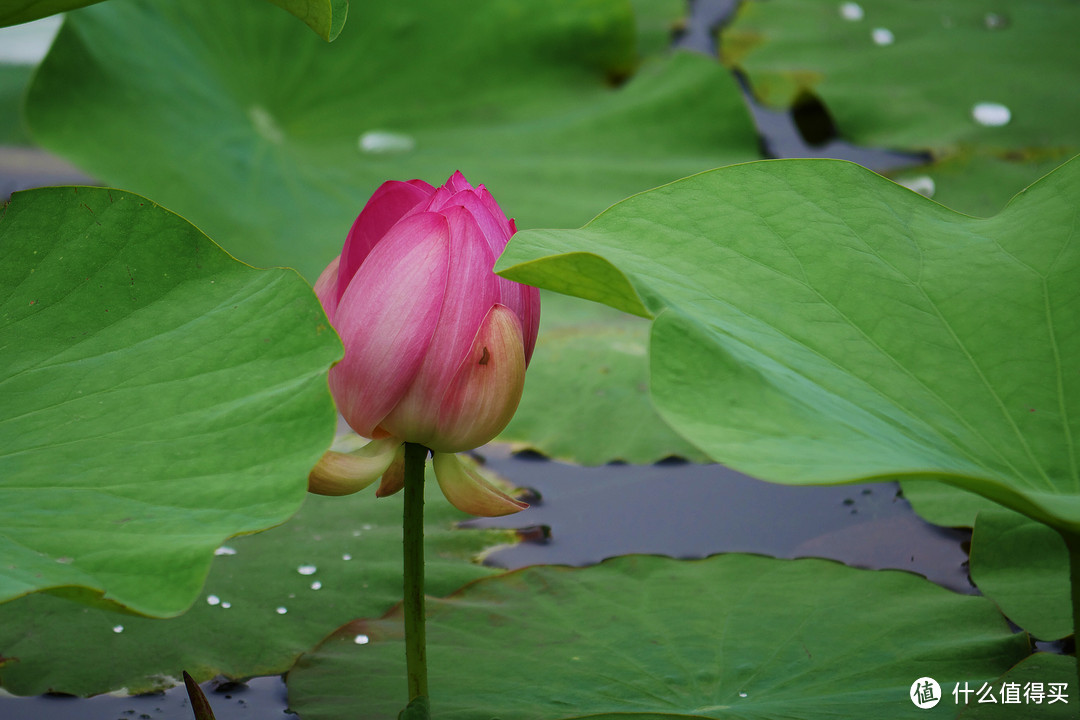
{"points": [[742, 694], [361, 639], [316, 585], [346, 556], [882, 36], [225, 550], [213, 600], [282, 610], [995, 22], [306, 569], [118, 628], [366, 527], [851, 11], [922, 184], [226, 605], [382, 142], [991, 114]]}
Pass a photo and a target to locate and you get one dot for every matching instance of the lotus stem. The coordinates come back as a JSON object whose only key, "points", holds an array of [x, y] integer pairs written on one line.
{"points": [[413, 541]]}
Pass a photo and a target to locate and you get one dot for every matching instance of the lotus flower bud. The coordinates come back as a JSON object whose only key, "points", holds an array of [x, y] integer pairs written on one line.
{"points": [[436, 344]]}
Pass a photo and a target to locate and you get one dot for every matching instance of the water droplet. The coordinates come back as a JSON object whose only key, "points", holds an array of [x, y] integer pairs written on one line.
{"points": [[265, 124], [361, 639], [991, 114], [213, 600], [282, 610], [366, 527], [316, 585], [118, 628], [306, 569], [346, 556], [226, 605], [356, 533], [851, 11], [882, 36], [742, 694], [225, 550], [922, 184], [380, 142], [996, 21]]}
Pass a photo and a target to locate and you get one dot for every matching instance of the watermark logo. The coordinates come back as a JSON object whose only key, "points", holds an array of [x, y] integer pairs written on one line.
{"points": [[925, 693]]}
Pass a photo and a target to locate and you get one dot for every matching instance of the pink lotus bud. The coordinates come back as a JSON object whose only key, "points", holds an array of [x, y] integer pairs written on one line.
{"points": [[436, 344]]}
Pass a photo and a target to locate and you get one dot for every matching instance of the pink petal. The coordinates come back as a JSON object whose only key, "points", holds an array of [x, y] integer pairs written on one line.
{"points": [[468, 491], [487, 387], [530, 317], [326, 288], [471, 290], [387, 317], [389, 204], [457, 182], [493, 226], [345, 473]]}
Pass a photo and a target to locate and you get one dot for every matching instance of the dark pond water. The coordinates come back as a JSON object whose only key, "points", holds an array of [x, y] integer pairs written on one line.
{"points": [[588, 514]]}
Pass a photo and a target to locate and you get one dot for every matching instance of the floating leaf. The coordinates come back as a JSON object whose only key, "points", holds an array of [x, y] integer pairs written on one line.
{"points": [[159, 397], [816, 323], [274, 153], [730, 636], [1023, 566], [943, 504], [1034, 673], [339, 558], [880, 76]]}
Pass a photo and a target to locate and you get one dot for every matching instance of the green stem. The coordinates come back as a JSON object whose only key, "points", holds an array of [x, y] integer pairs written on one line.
{"points": [[413, 540], [1072, 541]]}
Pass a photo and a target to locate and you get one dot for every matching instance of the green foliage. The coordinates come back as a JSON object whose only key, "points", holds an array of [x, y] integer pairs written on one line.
{"points": [[351, 546], [586, 393], [275, 152], [729, 636], [896, 95], [325, 17], [159, 397], [815, 323], [14, 12], [1023, 566]]}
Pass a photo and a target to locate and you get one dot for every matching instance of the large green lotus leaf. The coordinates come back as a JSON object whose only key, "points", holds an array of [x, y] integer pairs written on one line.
{"points": [[1018, 55], [274, 153], [729, 636], [1023, 566], [159, 397], [586, 394], [816, 323], [325, 17], [1031, 680], [338, 559]]}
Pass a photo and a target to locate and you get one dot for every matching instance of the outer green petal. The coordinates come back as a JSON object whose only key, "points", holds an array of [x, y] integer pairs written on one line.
{"points": [[468, 491]]}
